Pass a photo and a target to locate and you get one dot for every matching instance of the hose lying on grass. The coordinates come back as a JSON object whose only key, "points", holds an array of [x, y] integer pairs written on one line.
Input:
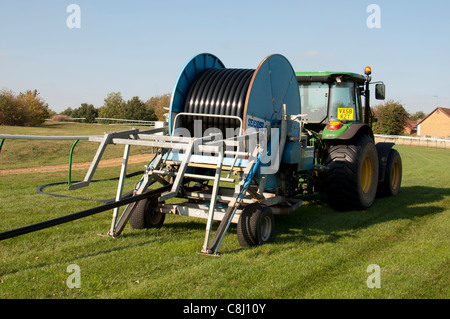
{"points": [[40, 189]]}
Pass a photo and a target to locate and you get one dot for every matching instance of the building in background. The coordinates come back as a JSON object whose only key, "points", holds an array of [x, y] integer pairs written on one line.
{"points": [[411, 127], [436, 124]]}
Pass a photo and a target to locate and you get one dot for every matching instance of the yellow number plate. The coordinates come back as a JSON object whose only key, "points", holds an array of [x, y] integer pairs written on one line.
{"points": [[345, 114]]}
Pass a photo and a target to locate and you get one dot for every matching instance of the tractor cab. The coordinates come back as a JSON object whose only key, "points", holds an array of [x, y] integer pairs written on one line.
{"points": [[332, 97]]}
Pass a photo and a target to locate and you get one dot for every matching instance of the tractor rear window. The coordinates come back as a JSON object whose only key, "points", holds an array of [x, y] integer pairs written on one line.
{"points": [[314, 101], [343, 102]]}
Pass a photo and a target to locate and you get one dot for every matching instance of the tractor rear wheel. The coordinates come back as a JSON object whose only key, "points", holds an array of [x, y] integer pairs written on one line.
{"points": [[352, 177], [145, 214]]}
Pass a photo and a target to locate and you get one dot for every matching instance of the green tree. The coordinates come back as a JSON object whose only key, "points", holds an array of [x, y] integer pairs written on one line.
{"points": [[67, 112], [11, 112], [417, 116], [159, 104], [88, 111], [149, 114], [35, 107], [391, 118], [135, 109], [113, 106], [26, 109]]}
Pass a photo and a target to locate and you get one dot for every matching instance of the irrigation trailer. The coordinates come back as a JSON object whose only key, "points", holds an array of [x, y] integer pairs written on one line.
{"points": [[243, 145]]}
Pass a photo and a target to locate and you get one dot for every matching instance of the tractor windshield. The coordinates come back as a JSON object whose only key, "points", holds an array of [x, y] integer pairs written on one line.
{"points": [[323, 102]]}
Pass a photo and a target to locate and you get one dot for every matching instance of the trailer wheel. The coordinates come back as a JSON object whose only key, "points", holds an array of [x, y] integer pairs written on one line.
{"points": [[146, 216], [255, 225], [393, 178], [352, 178]]}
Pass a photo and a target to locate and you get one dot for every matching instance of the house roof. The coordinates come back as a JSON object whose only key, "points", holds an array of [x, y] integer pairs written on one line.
{"points": [[446, 111], [442, 109], [411, 124]]}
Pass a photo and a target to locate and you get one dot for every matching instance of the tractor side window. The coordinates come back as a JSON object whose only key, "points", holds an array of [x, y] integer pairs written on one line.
{"points": [[314, 101], [343, 102]]}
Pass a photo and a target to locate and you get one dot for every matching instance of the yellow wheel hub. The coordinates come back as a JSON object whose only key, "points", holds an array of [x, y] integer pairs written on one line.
{"points": [[395, 175], [366, 175]]}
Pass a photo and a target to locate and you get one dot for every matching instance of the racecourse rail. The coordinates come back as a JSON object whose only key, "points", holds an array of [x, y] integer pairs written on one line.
{"points": [[3, 137], [414, 141]]}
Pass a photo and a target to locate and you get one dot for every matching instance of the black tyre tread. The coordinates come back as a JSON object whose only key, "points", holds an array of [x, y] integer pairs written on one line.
{"points": [[244, 234], [340, 187], [385, 188], [140, 218], [137, 220], [342, 177], [248, 225]]}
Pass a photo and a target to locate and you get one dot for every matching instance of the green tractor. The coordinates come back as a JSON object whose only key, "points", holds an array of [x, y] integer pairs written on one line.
{"points": [[338, 125]]}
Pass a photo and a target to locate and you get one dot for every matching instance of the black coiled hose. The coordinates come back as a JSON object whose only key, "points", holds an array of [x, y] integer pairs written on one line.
{"points": [[219, 92]]}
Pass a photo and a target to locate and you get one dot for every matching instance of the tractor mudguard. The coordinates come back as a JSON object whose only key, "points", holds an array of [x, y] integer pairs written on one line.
{"points": [[383, 150], [354, 129]]}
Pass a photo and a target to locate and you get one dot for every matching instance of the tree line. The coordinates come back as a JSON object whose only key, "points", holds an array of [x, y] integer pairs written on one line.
{"points": [[115, 106], [29, 109]]}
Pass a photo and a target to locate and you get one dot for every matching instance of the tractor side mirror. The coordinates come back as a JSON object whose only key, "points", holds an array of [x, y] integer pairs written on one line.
{"points": [[380, 91]]}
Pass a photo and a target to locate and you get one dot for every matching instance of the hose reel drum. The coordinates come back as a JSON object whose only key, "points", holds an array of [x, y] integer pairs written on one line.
{"points": [[235, 101], [233, 97]]}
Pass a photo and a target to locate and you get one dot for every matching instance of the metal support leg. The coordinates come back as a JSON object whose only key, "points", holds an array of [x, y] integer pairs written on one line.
{"points": [[107, 139], [212, 205], [101, 149], [232, 207], [123, 173], [182, 170]]}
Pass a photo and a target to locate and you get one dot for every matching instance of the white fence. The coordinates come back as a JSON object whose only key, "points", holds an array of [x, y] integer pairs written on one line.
{"points": [[414, 141], [114, 121]]}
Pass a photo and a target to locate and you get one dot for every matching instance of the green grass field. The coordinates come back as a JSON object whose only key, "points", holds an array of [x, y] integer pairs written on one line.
{"points": [[316, 253]]}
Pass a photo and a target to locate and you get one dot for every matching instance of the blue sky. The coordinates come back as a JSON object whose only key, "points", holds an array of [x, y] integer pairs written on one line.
{"points": [[138, 48]]}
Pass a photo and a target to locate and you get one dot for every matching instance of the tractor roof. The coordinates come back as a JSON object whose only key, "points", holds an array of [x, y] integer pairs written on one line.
{"points": [[328, 76]]}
